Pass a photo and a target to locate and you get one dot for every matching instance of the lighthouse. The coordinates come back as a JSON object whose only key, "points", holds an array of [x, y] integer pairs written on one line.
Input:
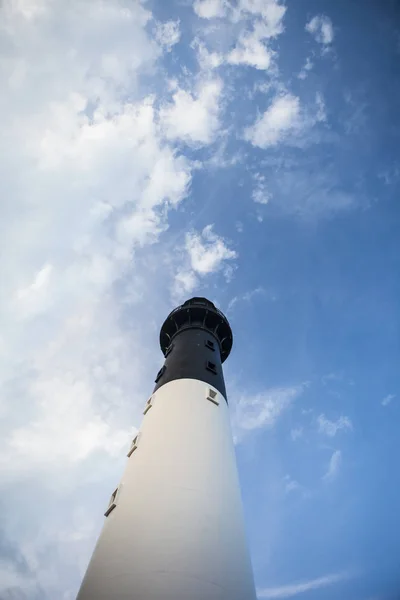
{"points": [[174, 527]]}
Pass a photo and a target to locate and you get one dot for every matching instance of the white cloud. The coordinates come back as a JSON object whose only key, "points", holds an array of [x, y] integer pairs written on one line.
{"points": [[290, 485], [294, 589], [271, 12], [207, 59], [296, 433], [205, 253], [248, 27], [387, 399], [260, 193], [251, 48], [89, 182], [185, 282], [168, 34], [40, 281], [334, 466], [247, 297], [321, 110], [390, 174], [221, 157], [281, 118], [306, 68], [66, 428], [29, 9], [250, 51], [208, 251], [34, 298], [253, 22], [330, 428], [263, 409], [309, 194], [209, 9], [12, 578], [321, 28], [193, 119]]}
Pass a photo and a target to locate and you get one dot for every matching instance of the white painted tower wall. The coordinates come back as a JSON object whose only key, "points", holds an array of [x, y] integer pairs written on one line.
{"points": [[177, 531]]}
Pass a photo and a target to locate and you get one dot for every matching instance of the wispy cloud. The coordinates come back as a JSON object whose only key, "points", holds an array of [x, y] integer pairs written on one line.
{"points": [[388, 399], [290, 485], [334, 466], [206, 58], [321, 28], [264, 409], [247, 297], [330, 428], [281, 118], [251, 51], [306, 68], [296, 433], [321, 108], [309, 195], [167, 34], [205, 253], [254, 24], [260, 192], [287, 121], [288, 591]]}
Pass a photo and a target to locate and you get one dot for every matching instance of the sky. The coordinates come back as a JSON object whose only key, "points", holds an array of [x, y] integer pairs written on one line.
{"points": [[242, 150]]}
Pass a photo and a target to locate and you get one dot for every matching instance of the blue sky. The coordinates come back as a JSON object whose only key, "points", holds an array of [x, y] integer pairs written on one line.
{"points": [[245, 150]]}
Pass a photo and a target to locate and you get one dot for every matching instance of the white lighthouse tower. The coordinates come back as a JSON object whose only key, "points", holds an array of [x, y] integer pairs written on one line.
{"points": [[174, 525]]}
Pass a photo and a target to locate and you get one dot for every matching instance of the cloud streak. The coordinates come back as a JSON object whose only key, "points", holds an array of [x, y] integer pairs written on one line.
{"points": [[388, 399], [289, 591], [334, 466]]}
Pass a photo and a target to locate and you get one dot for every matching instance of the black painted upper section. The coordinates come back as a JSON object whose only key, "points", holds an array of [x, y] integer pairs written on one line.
{"points": [[195, 339], [201, 313]]}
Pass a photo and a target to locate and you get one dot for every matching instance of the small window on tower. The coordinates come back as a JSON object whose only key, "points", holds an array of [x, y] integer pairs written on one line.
{"points": [[160, 373], [212, 395], [210, 366], [113, 502], [210, 345], [134, 445], [168, 350], [148, 406]]}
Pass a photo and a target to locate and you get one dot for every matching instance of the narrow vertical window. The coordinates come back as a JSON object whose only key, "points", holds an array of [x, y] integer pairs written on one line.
{"points": [[209, 344], [148, 405], [160, 373], [210, 366], [113, 502], [134, 445]]}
